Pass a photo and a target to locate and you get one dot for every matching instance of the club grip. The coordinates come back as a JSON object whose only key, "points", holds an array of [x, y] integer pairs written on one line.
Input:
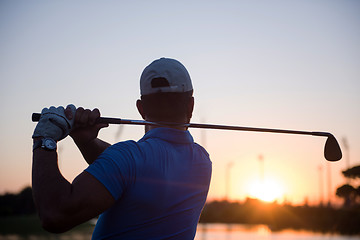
{"points": [[35, 117]]}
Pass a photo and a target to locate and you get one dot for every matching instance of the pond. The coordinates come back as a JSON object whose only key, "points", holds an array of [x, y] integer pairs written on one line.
{"points": [[260, 232], [204, 232]]}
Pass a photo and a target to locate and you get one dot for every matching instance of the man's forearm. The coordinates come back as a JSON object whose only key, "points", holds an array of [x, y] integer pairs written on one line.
{"points": [[49, 186], [91, 150], [63, 205]]}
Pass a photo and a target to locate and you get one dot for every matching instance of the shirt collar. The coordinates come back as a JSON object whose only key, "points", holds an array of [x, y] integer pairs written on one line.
{"points": [[169, 135]]}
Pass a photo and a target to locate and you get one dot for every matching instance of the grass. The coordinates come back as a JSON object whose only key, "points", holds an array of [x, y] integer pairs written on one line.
{"points": [[30, 225]]}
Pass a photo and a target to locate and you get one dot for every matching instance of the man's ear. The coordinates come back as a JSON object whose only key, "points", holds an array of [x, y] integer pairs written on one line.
{"points": [[140, 108], [190, 108]]}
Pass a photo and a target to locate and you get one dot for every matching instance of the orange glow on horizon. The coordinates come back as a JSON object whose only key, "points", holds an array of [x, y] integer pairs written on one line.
{"points": [[268, 190]]}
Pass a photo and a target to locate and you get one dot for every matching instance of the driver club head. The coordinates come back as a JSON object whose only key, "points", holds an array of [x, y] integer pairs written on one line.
{"points": [[332, 151]]}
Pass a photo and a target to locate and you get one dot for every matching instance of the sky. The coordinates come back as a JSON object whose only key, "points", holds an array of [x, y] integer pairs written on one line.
{"points": [[275, 64]]}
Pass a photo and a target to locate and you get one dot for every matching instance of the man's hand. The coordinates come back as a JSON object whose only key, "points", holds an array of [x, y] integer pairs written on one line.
{"points": [[53, 123], [85, 132], [86, 128]]}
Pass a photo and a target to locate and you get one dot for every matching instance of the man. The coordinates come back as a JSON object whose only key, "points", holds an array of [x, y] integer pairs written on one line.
{"points": [[154, 188]]}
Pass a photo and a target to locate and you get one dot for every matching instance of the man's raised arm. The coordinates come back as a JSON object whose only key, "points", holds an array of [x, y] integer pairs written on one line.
{"points": [[63, 205], [85, 131]]}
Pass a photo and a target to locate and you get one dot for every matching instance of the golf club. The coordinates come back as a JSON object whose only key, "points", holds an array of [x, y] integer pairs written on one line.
{"points": [[332, 151]]}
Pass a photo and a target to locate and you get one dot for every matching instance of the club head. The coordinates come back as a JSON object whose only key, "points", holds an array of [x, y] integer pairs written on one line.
{"points": [[332, 149]]}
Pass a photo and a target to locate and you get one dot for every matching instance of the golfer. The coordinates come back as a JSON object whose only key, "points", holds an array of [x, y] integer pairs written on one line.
{"points": [[153, 188]]}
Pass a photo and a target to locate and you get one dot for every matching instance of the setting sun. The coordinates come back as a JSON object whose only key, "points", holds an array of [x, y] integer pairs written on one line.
{"points": [[268, 190]]}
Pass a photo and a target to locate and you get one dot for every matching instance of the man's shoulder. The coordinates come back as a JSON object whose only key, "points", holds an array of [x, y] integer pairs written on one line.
{"points": [[202, 149], [124, 144], [122, 152], [127, 146]]}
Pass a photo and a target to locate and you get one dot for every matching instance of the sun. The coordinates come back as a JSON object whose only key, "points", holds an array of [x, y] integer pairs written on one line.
{"points": [[267, 190]]}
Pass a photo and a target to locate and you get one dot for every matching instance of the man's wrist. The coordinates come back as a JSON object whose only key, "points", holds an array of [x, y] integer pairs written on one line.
{"points": [[83, 142], [46, 143]]}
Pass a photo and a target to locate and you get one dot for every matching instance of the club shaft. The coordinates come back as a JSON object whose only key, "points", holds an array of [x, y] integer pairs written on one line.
{"points": [[36, 117]]}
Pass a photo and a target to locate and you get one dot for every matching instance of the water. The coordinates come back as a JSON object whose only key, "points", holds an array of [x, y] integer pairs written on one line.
{"points": [[259, 232], [206, 232]]}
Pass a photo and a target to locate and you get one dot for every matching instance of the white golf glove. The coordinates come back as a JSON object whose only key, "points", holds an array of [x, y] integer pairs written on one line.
{"points": [[54, 124]]}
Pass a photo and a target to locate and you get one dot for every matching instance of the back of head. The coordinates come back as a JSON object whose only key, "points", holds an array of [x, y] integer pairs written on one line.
{"points": [[166, 91]]}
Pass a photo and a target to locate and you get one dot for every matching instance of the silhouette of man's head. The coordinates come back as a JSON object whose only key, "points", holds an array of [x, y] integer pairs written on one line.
{"points": [[166, 92]]}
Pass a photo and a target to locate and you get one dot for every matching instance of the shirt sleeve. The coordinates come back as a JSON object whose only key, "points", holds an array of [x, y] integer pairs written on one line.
{"points": [[115, 167]]}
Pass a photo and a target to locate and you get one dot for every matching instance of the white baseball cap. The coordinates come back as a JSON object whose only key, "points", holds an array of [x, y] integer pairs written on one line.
{"points": [[165, 75]]}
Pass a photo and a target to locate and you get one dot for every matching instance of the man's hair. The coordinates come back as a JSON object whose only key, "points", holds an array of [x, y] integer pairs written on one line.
{"points": [[167, 106]]}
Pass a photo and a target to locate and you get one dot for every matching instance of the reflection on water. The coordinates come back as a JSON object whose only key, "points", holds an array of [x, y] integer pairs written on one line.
{"points": [[259, 232], [204, 232], [231, 231]]}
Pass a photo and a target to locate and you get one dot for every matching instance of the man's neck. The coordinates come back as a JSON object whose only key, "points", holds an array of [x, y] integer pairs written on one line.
{"points": [[150, 127]]}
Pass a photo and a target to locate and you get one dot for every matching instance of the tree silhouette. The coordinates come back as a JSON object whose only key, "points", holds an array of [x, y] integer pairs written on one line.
{"points": [[353, 172], [350, 194], [347, 192]]}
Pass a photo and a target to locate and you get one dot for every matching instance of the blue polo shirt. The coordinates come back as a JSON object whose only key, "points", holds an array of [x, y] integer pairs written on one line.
{"points": [[160, 185]]}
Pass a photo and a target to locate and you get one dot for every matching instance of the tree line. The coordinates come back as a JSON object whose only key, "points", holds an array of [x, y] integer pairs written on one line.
{"points": [[325, 219], [17, 204]]}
